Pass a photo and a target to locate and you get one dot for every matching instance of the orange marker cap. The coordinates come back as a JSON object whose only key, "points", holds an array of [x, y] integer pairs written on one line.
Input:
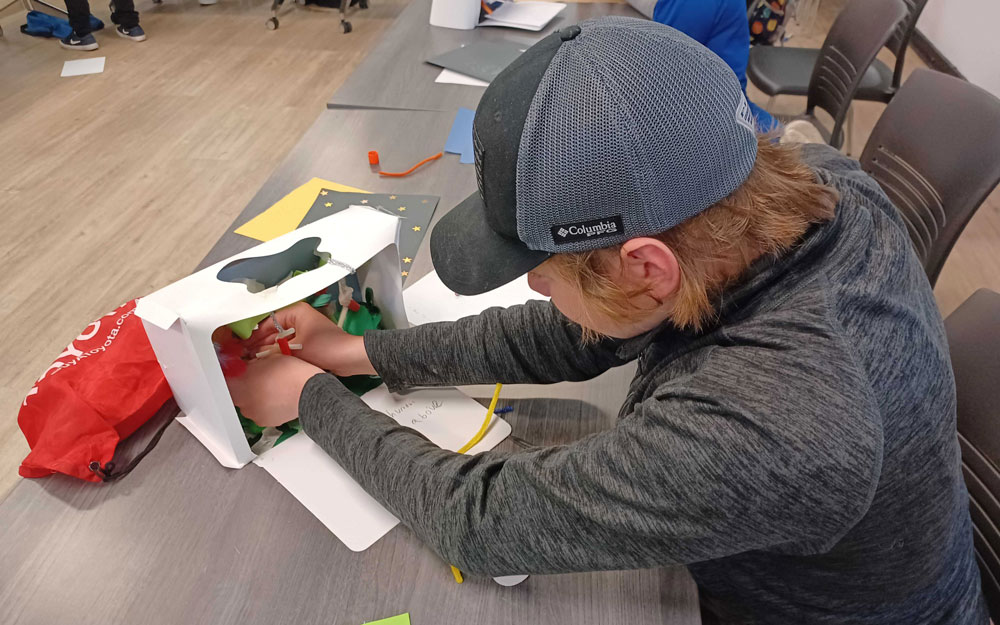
{"points": [[373, 158]]}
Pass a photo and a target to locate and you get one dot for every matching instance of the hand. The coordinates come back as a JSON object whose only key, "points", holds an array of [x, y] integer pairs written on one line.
{"points": [[268, 392], [323, 343]]}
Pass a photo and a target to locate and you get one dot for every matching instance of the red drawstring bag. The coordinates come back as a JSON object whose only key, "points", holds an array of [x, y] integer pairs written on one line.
{"points": [[98, 391]]}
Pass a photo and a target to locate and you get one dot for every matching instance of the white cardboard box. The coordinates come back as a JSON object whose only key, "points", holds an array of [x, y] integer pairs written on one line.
{"points": [[179, 319]]}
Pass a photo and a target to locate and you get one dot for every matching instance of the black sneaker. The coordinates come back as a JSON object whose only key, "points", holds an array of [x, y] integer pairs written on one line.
{"points": [[135, 33], [74, 42]]}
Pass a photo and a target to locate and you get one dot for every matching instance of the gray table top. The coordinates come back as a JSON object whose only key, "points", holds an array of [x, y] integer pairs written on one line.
{"points": [[184, 540], [394, 74]]}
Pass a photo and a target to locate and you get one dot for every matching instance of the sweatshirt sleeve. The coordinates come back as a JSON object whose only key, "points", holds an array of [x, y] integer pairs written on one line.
{"points": [[700, 469], [530, 343]]}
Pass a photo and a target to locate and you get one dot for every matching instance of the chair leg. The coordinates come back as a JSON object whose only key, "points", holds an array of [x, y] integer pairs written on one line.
{"points": [[849, 129], [769, 107]]}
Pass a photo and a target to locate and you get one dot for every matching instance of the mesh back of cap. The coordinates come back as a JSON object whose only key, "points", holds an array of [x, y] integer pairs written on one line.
{"points": [[632, 119]]}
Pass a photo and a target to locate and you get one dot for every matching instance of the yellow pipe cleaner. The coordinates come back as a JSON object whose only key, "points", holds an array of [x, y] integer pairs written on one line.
{"points": [[472, 443]]}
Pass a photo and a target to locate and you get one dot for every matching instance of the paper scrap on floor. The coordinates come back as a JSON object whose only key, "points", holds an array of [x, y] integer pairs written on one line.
{"points": [[524, 15], [445, 416], [429, 300], [459, 139], [454, 78], [288, 212], [82, 67]]}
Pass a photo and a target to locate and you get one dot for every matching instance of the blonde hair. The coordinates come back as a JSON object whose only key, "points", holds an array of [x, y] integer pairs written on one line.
{"points": [[766, 215]]}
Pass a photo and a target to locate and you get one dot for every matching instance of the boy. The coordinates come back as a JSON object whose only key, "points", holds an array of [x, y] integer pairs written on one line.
{"points": [[790, 433], [123, 15]]}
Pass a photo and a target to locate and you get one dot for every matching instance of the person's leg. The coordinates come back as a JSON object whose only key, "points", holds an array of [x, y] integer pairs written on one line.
{"points": [[124, 14], [79, 16]]}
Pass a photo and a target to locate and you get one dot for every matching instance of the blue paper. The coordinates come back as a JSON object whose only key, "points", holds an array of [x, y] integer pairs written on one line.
{"points": [[460, 138]]}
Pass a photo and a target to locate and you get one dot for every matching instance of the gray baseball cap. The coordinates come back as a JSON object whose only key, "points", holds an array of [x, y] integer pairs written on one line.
{"points": [[601, 132]]}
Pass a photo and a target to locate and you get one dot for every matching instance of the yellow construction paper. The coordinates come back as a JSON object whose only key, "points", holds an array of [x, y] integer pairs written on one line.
{"points": [[288, 212], [402, 619]]}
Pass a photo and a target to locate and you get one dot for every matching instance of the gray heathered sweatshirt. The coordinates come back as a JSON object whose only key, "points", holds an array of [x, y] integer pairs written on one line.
{"points": [[799, 456]]}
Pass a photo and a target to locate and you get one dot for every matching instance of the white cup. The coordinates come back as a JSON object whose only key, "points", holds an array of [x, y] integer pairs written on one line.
{"points": [[460, 14]]}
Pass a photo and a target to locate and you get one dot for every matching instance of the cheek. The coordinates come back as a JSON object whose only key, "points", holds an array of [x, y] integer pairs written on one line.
{"points": [[538, 284], [569, 302]]}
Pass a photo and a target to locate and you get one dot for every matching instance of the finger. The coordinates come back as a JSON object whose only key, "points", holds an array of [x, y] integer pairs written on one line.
{"points": [[258, 341], [264, 329]]}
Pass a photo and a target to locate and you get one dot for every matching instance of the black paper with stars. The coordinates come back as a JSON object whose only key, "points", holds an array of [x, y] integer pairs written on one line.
{"points": [[415, 210]]}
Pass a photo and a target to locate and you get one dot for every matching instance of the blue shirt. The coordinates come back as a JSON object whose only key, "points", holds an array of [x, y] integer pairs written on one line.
{"points": [[722, 27]]}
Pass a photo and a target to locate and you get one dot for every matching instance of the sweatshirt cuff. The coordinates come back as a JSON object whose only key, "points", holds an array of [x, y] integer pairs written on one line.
{"points": [[383, 348], [324, 404]]}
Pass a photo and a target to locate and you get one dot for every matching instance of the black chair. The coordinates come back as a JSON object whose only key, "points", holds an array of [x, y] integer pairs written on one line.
{"points": [[786, 71], [936, 153], [974, 339], [861, 29]]}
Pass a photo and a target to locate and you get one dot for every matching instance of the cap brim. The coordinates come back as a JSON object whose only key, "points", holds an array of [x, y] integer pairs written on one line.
{"points": [[470, 258]]}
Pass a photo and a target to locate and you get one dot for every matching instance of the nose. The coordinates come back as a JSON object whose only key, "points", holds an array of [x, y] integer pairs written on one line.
{"points": [[538, 284]]}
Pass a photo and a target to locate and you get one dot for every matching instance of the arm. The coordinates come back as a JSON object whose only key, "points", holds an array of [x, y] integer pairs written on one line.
{"points": [[532, 343], [690, 474]]}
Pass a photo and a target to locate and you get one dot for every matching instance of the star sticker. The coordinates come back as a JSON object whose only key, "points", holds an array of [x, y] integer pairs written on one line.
{"points": [[328, 204], [392, 197], [407, 260], [402, 208], [424, 201], [405, 273], [323, 192], [364, 201], [416, 228]]}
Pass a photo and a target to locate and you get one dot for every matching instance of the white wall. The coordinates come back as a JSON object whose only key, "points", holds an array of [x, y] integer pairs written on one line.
{"points": [[967, 32]]}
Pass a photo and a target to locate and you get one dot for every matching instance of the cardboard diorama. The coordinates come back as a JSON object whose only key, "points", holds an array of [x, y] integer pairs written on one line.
{"points": [[346, 265]]}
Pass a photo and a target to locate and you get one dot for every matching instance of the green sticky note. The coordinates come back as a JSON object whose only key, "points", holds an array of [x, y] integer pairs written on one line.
{"points": [[402, 619]]}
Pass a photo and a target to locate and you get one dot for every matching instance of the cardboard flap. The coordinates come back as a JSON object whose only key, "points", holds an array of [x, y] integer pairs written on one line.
{"points": [[155, 313]]}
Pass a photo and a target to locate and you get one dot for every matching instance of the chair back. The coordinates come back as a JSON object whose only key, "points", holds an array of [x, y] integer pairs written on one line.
{"points": [[858, 33], [900, 38], [936, 153], [974, 339]]}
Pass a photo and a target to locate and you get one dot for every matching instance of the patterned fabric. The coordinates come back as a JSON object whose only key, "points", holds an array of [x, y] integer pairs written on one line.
{"points": [[767, 21]]}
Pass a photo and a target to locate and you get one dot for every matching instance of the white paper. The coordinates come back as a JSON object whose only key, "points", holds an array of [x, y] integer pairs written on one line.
{"points": [[428, 299], [447, 76], [81, 67], [445, 416], [524, 15]]}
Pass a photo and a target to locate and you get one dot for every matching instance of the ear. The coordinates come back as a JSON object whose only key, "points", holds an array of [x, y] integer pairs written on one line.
{"points": [[649, 262]]}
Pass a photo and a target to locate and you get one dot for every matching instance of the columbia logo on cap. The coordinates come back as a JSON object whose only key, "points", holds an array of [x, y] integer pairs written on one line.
{"points": [[585, 230]]}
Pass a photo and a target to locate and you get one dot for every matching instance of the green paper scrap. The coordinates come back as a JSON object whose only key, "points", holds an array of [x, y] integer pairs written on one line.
{"points": [[402, 619], [244, 327], [321, 300], [288, 430]]}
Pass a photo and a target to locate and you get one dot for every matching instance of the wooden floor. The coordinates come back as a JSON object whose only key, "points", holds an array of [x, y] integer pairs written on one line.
{"points": [[116, 184]]}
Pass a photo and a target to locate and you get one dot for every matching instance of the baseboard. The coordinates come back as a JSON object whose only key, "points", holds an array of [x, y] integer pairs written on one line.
{"points": [[930, 55]]}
